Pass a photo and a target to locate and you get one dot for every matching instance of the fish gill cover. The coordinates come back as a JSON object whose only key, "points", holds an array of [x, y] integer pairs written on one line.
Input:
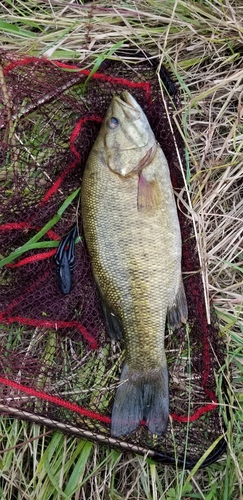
{"points": [[58, 366]]}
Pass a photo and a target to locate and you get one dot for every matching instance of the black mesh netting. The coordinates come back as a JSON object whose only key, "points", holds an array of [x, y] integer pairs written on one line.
{"points": [[58, 366]]}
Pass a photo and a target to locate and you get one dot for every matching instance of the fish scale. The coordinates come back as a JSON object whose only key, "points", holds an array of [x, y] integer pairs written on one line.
{"points": [[133, 237]]}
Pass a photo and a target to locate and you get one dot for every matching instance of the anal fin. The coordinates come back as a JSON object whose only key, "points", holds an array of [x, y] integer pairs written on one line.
{"points": [[113, 323], [178, 313]]}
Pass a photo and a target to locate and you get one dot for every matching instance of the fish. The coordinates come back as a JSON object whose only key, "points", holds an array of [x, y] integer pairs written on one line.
{"points": [[133, 237]]}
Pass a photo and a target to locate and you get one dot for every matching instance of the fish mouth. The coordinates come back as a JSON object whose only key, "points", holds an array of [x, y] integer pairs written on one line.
{"points": [[127, 98], [128, 105]]}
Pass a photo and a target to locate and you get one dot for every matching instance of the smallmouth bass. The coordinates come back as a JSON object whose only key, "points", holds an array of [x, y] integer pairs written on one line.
{"points": [[133, 238]]}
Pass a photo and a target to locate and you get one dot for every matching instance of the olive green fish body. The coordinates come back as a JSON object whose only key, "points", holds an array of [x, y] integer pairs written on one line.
{"points": [[133, 238]]}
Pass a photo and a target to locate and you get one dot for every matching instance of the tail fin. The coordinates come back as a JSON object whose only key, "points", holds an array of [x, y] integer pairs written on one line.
{"points": [[139, 397]]}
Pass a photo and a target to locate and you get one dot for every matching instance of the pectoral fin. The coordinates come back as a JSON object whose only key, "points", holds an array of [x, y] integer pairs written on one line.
{"points": [[178, 312], [149, 195]]}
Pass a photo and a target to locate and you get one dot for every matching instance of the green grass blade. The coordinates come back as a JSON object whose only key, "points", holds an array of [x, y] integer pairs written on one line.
{"points": [[15, 30], [78, 470], [31, 243]]}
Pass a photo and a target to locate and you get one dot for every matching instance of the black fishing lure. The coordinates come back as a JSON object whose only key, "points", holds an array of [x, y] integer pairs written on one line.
{"points": [[65, 259]]}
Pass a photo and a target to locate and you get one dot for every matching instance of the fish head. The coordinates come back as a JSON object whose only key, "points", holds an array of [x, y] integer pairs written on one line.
{"points": [[128, 140]]}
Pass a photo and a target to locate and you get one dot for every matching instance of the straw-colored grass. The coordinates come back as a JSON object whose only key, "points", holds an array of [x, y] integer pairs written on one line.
{"points": [[201, 43]]}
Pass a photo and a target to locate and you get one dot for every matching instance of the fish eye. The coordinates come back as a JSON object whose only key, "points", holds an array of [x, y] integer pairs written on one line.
{"points": [[113, 122]]}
